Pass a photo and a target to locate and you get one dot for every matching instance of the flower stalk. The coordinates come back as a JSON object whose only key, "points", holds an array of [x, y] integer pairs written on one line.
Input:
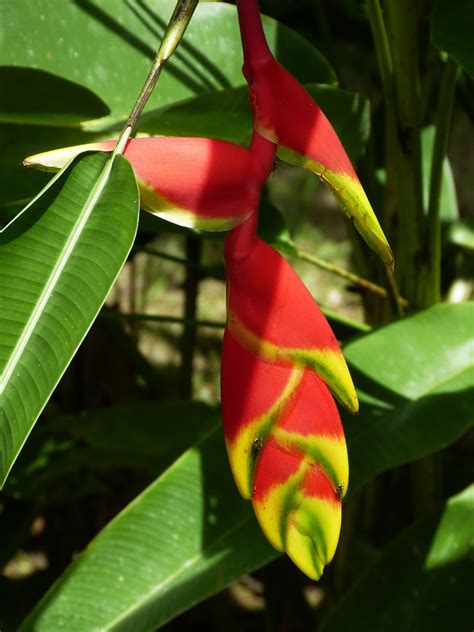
{"points": [[177, 25]]}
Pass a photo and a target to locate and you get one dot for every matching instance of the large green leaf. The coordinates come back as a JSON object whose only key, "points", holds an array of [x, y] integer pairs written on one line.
{"points": [[415, 380], [226, 115], [452, 28], [32, 96], [58, 261], [146, 435], [422, 581], [189, 534], [107, 47], [186, 537]]}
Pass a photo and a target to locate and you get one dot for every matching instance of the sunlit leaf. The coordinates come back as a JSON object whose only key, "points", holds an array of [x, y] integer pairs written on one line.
{"points": [[58, 261]]}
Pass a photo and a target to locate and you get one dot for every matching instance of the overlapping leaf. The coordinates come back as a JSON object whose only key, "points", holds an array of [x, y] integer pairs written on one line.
{"points": [[189, 534], [422, 581], [58, 261]]}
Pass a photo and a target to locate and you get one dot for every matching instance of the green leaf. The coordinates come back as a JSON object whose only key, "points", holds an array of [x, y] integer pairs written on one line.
{"points": [[452, 27], [449, 210], [183, 539], [189, 535], [58, 261], [108, 46], [226, 115], [143, 433], [32, 96], [422, 581], [415, 382]]}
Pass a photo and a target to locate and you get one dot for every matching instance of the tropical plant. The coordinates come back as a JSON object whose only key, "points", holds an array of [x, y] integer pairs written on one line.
{"points": [[125, 458]]}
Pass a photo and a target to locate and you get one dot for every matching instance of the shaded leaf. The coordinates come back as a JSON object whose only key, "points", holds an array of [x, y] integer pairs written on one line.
{"points": [[63, 39], [186, 537], [422, 581], [189, 535], [144, 433], [448, 204], [452, 27], [225, 114], [32, 96]]}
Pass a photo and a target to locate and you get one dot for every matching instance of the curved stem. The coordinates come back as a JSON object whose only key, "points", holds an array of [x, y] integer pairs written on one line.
{"points": [[159, 318], [174, 32], [291, 249]]}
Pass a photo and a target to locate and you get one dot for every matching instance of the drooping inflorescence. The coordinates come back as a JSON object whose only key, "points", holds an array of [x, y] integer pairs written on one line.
{"points": [[280, 359]]}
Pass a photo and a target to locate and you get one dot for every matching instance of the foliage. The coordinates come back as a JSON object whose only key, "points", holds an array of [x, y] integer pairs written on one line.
{"points": [[120, 511]]}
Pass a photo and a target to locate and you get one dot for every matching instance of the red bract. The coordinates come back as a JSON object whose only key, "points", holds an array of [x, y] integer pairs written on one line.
{"points": [[202, 183], [283, 433], [286, 114]]}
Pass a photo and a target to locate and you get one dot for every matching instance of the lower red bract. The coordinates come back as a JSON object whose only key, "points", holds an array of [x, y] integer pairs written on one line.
{"points": [[274, 467], [313, 410], [268, 297], [250, 387], [316, 485]]}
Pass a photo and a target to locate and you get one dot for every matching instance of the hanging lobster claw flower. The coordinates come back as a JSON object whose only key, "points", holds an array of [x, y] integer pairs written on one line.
{"points": [[273, 315], [286, 114], [202, 183], [283, 433]]}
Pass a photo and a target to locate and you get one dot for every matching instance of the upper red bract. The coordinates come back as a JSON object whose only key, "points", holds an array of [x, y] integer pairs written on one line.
{"points": [[211, 177]]}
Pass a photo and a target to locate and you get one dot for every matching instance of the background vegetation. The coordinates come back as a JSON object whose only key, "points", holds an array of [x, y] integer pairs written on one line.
{"points": [[122, 492]]}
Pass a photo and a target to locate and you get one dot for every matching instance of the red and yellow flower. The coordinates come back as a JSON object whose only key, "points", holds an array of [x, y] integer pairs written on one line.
{"points": [[286, 114], [280, 358], [283, 433]]}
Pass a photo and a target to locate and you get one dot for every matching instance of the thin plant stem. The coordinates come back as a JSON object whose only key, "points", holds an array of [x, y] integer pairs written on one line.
{"points": [[161, 318], [213, 324], [334, 269], [440, 150], [384, 55], [398, 303], [174, 32], [216, 271]]}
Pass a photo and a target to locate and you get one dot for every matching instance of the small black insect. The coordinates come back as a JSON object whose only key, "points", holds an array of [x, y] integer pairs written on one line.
{"points": [[339, 491], [257, 445]]}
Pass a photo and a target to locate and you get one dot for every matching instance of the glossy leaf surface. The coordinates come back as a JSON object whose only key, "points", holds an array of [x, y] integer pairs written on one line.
{"points": [[422, 581], [58, 261], [415, 382], [189, 534], [63, 39], [451, 29]]}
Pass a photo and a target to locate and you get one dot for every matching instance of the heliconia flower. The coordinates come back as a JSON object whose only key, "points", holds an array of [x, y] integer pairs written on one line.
{"points": [[287, 115], [272, 314], [283, 433], [201, 183]]}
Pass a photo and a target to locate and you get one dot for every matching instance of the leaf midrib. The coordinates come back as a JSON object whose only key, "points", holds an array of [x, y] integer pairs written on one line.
{"points": [[54, 277], [186, 566]]}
